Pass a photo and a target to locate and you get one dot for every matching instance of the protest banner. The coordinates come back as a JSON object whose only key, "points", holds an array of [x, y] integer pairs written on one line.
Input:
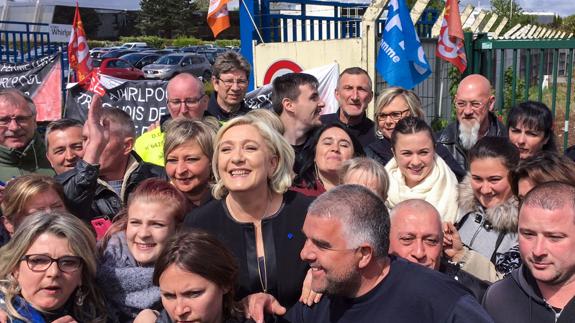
{"points": [[41, 80], [145, 100]]}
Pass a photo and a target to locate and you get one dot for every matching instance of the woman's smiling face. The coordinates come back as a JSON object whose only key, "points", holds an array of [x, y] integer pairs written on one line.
{"points": [[414, 154]]}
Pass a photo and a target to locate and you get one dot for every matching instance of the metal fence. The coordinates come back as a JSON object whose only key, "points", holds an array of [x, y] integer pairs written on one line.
{"points": [[302, 20], [528, 69], [20, 42]]}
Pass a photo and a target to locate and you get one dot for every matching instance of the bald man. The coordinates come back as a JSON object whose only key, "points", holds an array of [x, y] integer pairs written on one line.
{"points": [[474, 104], [416, 234], [187, 99]]}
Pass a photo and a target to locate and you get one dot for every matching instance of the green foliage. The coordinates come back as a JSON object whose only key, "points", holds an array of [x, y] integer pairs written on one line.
{"points": [[438, 124], [166, 18], [100, 43], [512, 10], [508, 91], [455, 78], [227, 42], [568, 24]]}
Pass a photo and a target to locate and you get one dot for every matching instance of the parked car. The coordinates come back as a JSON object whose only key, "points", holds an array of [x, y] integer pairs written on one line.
{"points": [[134, 45], [191, 49], [169, 65], [98, 52], [119, 68], [141, 59], [162, 51]]}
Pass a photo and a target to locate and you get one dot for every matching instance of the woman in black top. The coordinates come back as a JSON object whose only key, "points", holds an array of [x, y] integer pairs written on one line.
{"points": [[254, 214]]}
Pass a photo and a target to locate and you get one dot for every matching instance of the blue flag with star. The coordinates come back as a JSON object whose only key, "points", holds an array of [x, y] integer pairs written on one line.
{"points": [[401, 60]]}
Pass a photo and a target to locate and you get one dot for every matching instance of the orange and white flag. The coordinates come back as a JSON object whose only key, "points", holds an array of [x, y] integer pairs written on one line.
{"points": [[218, 17], [78, 51], [450, 46]]}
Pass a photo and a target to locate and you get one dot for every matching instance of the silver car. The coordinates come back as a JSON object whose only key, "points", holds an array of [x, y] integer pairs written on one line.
{"points": [[172, 64]]}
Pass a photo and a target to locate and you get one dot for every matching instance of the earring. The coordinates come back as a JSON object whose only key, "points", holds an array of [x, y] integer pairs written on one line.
{"points": [[81, 294], [14, 284]]}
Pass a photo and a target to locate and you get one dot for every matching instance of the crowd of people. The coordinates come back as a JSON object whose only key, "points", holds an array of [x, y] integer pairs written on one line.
{"points": [[220, 213]]}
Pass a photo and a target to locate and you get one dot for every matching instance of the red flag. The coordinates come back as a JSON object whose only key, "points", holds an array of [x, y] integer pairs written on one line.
{"points": [[218, 18], [93, 84], [450, 46], [78, 51]]}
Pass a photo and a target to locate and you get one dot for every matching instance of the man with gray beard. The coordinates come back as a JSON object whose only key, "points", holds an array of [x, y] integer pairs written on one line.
{"points": [[474, 104]]}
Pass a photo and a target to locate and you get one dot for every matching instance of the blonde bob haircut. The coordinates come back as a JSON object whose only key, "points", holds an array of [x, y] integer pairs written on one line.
{"points": [[182, 130], [281, 178], [390, 93], [81, 242], [367, 169]]}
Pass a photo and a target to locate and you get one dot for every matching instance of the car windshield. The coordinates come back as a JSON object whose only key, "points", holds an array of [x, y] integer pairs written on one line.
{"points": [[169, 59], [96, 63], [132, 58]]}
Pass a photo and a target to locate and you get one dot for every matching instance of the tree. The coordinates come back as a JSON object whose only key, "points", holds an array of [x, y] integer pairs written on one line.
{"points": [[506, 8], [166, 18], [512, 10], [568, 24]]}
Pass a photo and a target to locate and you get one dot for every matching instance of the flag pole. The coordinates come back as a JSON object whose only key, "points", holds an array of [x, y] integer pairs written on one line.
{"points": [[253, 21]]}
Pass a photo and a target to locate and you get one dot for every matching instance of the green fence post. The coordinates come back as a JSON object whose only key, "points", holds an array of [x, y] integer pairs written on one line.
{"points": [[568, 98]]}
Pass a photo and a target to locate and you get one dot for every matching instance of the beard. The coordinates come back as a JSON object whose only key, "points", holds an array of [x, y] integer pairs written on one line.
{"points": [[468, 134]]}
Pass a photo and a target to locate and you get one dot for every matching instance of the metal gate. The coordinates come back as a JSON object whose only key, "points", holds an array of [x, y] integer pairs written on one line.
{"points": [[528, 69], [20, 42]]}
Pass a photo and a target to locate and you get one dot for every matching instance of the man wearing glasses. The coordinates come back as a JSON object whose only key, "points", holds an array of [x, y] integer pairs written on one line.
{"points": [[230, 78], [186, 98], [21, 149], [474, 104]]}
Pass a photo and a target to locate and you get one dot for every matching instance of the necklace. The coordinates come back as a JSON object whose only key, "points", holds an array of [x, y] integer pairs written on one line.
{"points": [[262, 273], [262, 270], [261, 261]]}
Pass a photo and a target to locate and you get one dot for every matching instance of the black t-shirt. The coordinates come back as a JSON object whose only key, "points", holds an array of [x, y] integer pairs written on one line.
{"points": [[410, 293], [283, 241]]}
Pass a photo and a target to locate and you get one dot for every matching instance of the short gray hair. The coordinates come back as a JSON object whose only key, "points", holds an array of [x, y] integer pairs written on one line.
{"points": [[421, 206], [362, 213], [12, 95]]}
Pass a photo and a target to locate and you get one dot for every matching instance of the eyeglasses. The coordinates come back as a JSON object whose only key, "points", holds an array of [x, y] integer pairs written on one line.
{"points": [[20, 120], [40, 263], [475, 105], [230, 83], [395, 115], [187, 101]]}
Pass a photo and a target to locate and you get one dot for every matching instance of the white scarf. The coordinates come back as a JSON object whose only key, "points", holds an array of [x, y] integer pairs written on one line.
{"points": [[439, 188]]}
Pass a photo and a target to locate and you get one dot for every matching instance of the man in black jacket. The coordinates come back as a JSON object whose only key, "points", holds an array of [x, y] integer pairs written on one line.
{"points": [[474, 105], [296, 101], [416, 234], [542, 288], [109, 170], [354, 92]]}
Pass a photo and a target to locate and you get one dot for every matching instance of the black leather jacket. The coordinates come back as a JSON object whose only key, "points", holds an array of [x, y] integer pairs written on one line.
{"points": [[90, 198], [449, 138]]}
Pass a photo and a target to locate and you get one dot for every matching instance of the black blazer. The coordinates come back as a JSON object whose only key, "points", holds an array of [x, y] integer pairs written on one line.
{"points": [[283, 241]]}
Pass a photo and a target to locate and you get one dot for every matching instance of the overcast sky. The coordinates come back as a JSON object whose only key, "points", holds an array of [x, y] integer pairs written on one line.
{"points": [[562, 7]]}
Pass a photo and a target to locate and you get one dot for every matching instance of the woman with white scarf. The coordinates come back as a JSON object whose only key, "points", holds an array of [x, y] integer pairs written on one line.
{"points": [[417, 172]]}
